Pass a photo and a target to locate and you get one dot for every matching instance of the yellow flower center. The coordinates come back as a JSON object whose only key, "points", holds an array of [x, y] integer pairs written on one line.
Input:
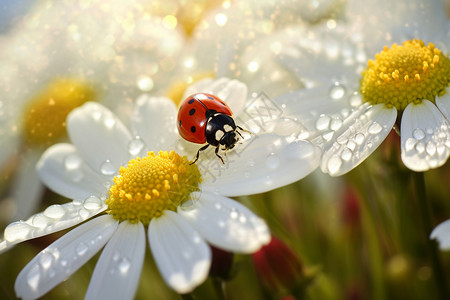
{"points": [[150, 185], [44, 119], [404, 74]]}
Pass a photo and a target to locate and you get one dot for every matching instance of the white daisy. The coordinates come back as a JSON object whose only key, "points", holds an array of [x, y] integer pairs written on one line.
{"points": [[230, 39], [352, 104], [185, 207], [442, 234], [62, 55]]}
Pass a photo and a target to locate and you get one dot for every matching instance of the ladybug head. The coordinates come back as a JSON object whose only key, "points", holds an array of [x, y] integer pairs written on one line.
{"points": [[229, 140]]}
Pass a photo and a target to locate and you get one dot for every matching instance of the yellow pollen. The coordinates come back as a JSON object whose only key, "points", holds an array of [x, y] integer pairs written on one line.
{"points": [[404, 74], [150, 185], [45, 115]]}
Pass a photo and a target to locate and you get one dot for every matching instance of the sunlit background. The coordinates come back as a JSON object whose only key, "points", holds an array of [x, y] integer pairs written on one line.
{"points": [[362, 235]]}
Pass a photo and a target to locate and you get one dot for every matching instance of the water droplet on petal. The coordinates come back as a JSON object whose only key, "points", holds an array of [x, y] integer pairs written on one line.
{"points": [[351, 145], [81, 249], [83, 213], [334, 164], [54, 211], [109, 121], [359, 138], [375, 128], [72, 162], [323, 122], [251, 163], [135, 146], [107, 168], [418, 134], [335, 124], [337, 91], [346, 154], [430, 130], [124, 265], [355, 99], [328, 135], [33, 277], [234, 214], [410, 143], [431, 148], [45, 260], [40, 220], [420, 147], [273, 161], [92, 203], [440, 149]]}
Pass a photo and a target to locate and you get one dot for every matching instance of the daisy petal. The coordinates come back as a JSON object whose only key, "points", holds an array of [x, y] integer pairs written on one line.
{"points": [[425, 137], [153, 120], [27, 189], [117, 273], [64, 171], [182, 256], [442, 234], [366, 128], [55, 218], [266, 161], [225, 223], [58, 261], [443, 102], [100, 137], [232, 91]]}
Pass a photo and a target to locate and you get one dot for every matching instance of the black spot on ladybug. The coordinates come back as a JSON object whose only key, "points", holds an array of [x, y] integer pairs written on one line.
{"points": [[193, 129], [192, 111], [191, 101], [179, 123]]}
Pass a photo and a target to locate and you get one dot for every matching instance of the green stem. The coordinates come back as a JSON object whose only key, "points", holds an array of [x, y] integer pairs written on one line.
{"points": [[419, 184], [219, 288]]}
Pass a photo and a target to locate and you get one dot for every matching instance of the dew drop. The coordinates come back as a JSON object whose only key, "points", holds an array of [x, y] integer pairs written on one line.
{"points": [[243, 219], [77, 201], [251, 163], [107, 168], [135, 146], [92, 203], [420, 148], [116, 256], [355, 99], [410, 143], [334, 164], [45, 260], [83, 213], [375, 128], [359, 138], [33, 278], [109, 121], [440, 149], [337, 91], [323, 122], [335, 124], [124, 265], [63, 263], [346, 154], [351, 145], [81, 249], [431, 148], [418, 134], [234, 214], [17, 231], [40, 220], [328, 135], [72, 162], [54, 211], [430, 130], [273, 161]]}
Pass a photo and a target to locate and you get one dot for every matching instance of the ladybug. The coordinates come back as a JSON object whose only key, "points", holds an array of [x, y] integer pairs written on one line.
{"points": [[205, 118]]}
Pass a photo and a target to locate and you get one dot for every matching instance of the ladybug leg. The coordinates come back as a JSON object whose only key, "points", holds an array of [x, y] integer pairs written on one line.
{"points": [[198, 153], [217, 154], [242, 129]]}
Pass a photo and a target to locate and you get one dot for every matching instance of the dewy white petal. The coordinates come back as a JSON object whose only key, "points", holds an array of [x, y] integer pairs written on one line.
{"points": [[225, 223], [62, 258], [154, 122], [425, 137], [442, 234], [117, 273], [263, 163], [27, 189], [365, 129], [232, 91], [321, 111], [100, 137], [181, 254], [55, 218], [443, 103], [63, 170]]}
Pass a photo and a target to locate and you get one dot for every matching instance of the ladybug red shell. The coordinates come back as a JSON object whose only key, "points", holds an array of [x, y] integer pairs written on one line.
{"points": [[205, 118]]}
